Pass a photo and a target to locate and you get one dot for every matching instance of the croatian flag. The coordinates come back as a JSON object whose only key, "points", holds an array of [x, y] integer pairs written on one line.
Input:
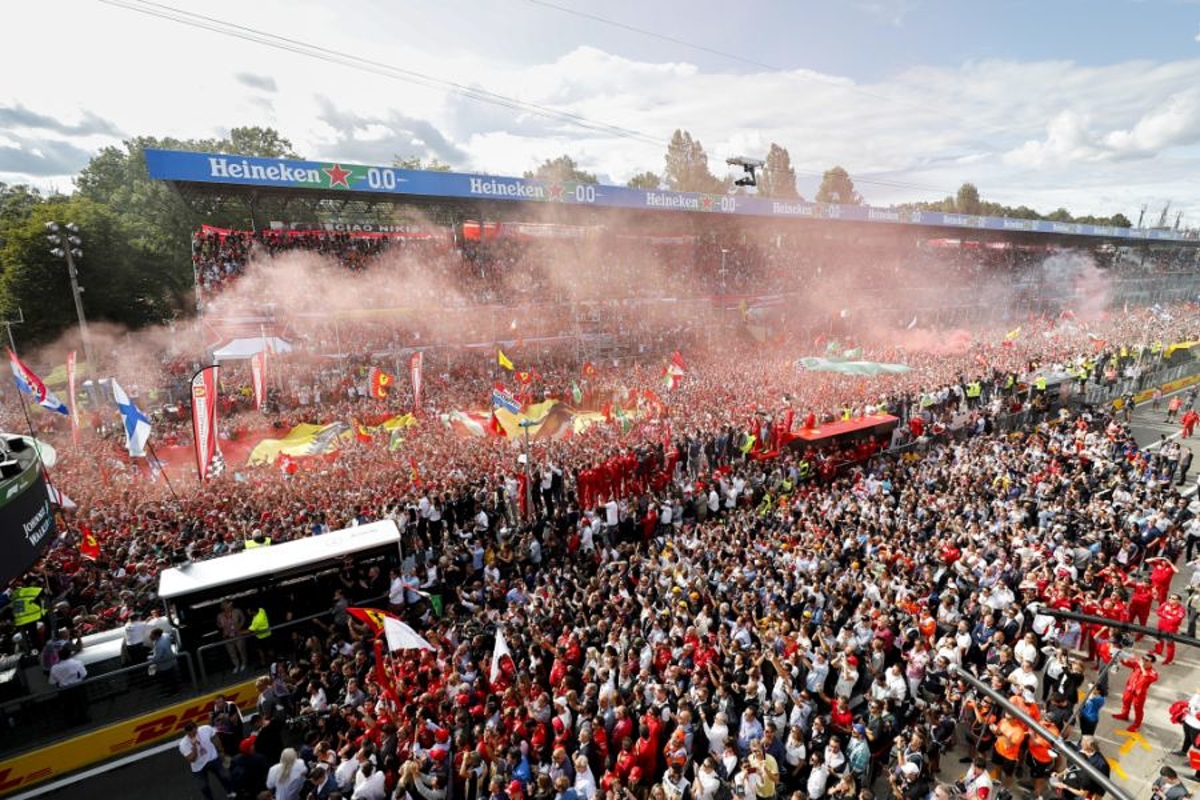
{"points": [[29, 383], [137, 426]]}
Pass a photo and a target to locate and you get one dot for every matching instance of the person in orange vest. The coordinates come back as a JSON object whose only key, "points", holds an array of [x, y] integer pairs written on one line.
{"points": [[1142, 676], [1010, 735], [1170, 617], [1040, 758]]}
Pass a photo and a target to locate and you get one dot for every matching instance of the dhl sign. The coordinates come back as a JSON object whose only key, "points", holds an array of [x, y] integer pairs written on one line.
{"points": [[67, 756], [1167, 388]]}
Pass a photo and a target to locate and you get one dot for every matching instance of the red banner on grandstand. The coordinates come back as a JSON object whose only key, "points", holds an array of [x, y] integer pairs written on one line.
{"points": [[73, 413], [258, 376], [415, 365], [204, 418]]}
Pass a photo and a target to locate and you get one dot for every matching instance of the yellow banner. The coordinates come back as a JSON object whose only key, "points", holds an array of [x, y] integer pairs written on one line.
{"points": [[104, 744]]}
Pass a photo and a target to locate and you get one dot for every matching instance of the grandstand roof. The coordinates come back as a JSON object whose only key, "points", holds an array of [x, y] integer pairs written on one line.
{"points": [[197, 174]]}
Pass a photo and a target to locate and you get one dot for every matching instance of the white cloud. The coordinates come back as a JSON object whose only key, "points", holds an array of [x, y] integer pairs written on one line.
{"points": [[1046, 133]]}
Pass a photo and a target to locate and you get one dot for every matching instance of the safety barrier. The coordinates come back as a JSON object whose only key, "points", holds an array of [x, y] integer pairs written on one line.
{"points": [[66, 756]]}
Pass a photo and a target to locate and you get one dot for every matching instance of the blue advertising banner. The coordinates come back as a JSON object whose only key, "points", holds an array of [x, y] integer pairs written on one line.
{"points": [[171, 165]]}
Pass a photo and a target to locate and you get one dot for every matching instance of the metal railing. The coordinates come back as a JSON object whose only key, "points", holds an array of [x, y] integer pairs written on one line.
{"points": [[213, 651], [44, 717], [205, 652]]}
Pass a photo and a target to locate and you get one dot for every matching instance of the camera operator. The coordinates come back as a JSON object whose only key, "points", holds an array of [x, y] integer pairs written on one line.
{"points": [[1073, 781], [977, 783], [910, 784]]}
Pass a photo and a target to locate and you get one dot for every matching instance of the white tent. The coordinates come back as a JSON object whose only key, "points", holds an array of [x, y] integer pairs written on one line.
{"points": [[242, 349]]}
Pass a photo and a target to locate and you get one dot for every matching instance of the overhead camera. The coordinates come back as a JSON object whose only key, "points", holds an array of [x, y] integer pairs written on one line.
{"points": [[749, 166]]}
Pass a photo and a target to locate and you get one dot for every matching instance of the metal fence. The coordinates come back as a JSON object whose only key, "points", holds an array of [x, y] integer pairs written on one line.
{"points": [[44, 717]]}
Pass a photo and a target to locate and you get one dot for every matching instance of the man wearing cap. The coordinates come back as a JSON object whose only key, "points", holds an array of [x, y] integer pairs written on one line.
{"points": [[1141, 676], [858, 757]]}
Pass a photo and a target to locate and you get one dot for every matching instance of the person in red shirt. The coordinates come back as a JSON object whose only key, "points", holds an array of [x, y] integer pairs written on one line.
{"points": [[1170, 617], [1139, 603], [1161, 573], [1189, 421], [1141, 676]]}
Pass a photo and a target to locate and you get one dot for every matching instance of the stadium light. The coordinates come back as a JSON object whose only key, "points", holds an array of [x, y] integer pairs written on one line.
{"points": [[749, 166], [68, 245]]}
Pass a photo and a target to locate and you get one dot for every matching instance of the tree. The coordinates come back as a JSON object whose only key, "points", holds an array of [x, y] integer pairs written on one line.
{"points": [[1059, 215], [1120, 221], [415, 162], [262, 142], [124, 281], [687, 166], [561, 170], [16, 204], [645, 180], [836, 187], [157, 217], [778, 178], [967, 200]]}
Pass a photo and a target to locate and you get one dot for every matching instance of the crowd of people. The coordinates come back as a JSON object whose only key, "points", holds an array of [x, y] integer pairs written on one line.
{"points": [[732, 624]]}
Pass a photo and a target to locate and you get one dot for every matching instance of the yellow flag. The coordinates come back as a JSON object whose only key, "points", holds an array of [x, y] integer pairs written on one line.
{"points": [[502, 359], [1013, 334]]}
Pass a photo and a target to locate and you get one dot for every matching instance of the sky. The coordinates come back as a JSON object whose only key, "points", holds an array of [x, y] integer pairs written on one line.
{"points": [[1091, 105]]}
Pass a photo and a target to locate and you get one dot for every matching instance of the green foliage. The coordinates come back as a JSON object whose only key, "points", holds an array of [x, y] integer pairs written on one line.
{"points": [[837, 187], [560, 170], [257, 141], [122, 280], [16, 204], [778, 178], [967, 200], [687, 166], [645, 180]]}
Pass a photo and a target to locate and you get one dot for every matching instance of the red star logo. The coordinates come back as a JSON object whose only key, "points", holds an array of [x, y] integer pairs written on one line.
{"points": [[556, 192], [337, 175], [706, 203]]}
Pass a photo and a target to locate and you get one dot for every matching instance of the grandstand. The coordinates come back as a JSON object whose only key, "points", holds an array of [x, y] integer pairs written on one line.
{"points": [[564, 249]]}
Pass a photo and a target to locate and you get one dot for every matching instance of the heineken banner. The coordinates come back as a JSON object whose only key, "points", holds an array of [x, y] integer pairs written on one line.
{"points": [[26, 520], [213, 168], [204, 418]]}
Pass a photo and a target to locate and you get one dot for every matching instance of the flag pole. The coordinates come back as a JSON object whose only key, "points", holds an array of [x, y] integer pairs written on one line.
{"points": [[162, 464], [8, 323]]}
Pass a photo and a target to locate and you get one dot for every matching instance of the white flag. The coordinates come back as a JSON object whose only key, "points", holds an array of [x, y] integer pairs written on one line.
{"points": [[401, 637], [500, 652]]}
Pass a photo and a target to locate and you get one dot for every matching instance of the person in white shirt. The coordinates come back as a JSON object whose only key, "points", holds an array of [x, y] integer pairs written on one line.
{"points": [[346, 771], [369, 783], [287, 777], [201, 748], [66, 676]]}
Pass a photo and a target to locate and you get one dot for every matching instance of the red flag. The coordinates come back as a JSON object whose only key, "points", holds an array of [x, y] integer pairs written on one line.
{"points": [[678, 362], [89, 547], [524, 377], [494, 426], [204, 418], [415, 365], [74, 402], [371, 617], [258, 376], [380, 382], [589, 369]]}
